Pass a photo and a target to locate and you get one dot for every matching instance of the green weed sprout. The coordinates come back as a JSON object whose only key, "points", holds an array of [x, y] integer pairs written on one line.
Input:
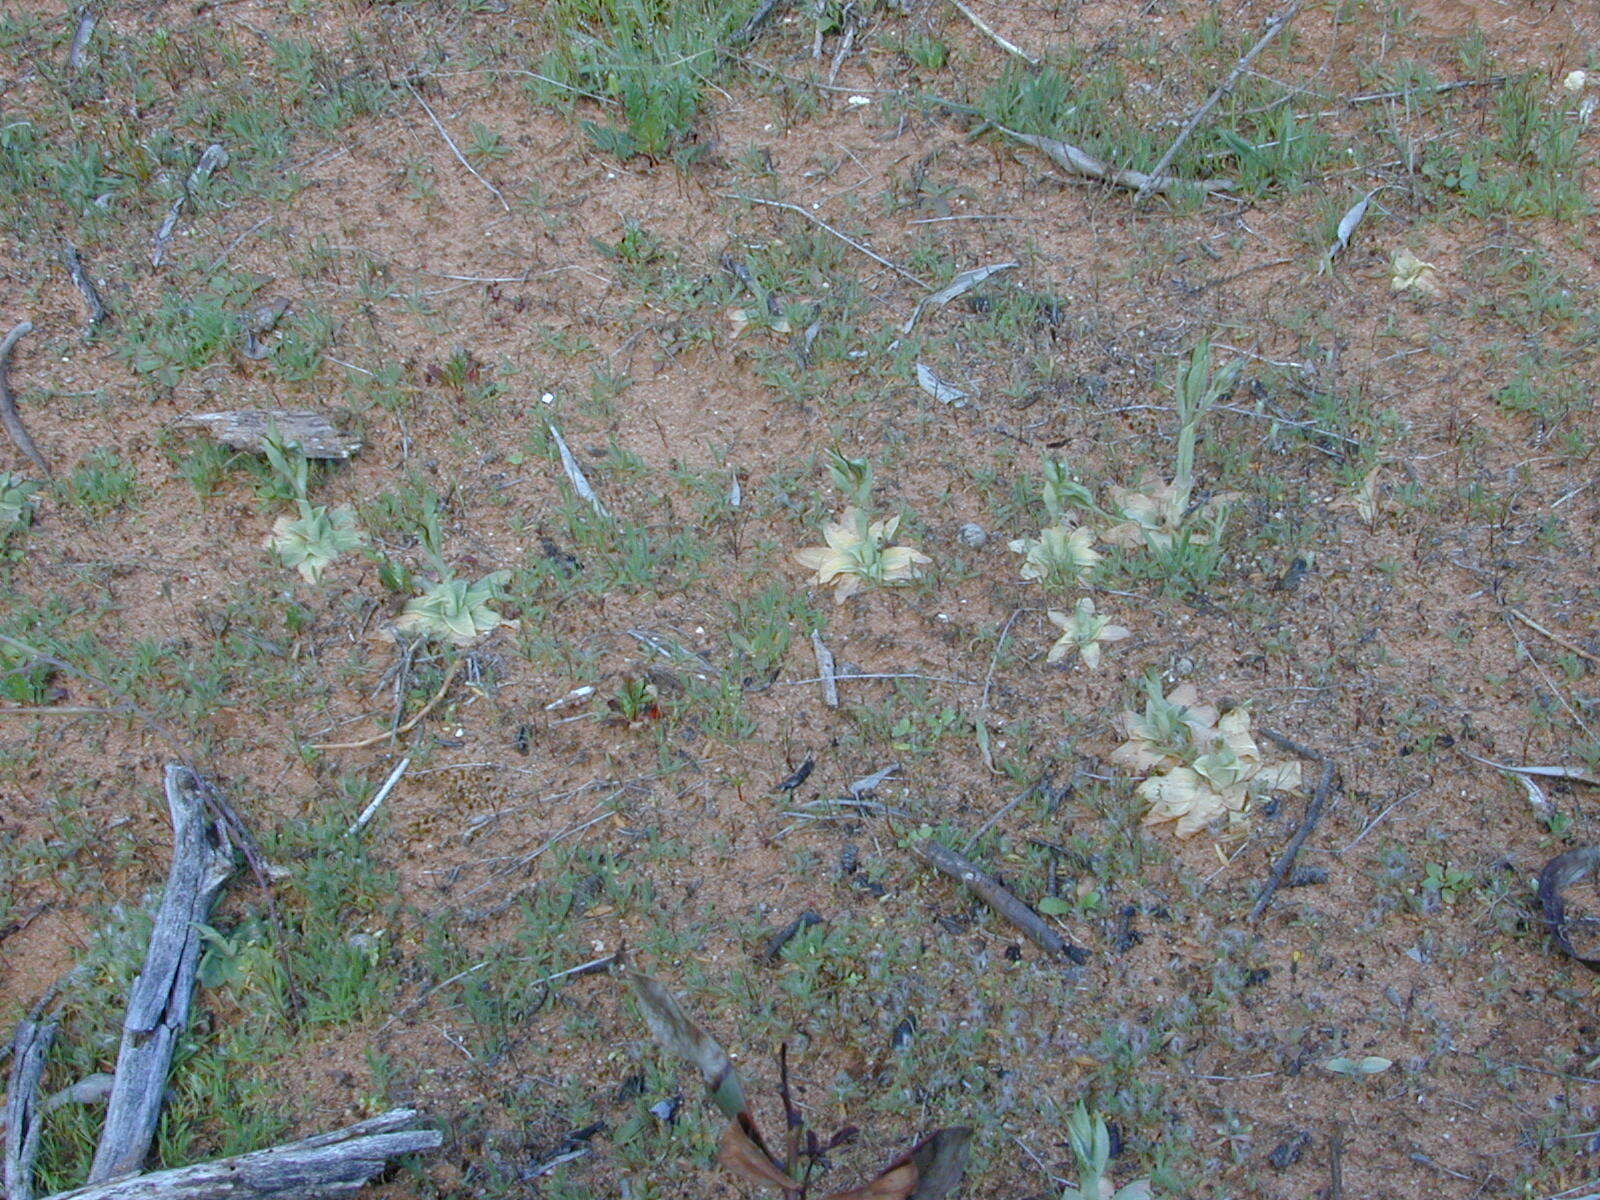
{"points": [[312, 540], [1091, 1146], [1157, 515], [16, 503]]}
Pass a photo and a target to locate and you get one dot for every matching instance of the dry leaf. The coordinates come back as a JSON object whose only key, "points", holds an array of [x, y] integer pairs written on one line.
{"points": [[742, 1154], [928, 1172], [959, 286], [1347, 226], [939, 389], [675, 1032]]}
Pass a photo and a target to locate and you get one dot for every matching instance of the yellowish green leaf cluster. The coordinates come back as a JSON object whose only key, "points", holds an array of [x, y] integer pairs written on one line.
{"points": [[858, 554], [1082, 633], [1200, 765]]}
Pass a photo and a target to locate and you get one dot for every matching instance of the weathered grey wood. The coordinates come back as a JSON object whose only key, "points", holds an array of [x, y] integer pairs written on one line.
{"points": [[248, 429], [24, 1114], [327, 1164], [158, 1003]]}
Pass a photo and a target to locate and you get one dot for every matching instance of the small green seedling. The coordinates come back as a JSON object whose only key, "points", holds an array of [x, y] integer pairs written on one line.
{"points": [[312, 540], [1091, 1146]]}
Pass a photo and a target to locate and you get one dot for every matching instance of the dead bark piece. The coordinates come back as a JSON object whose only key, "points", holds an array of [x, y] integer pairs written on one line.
{"points": [[248, 428], [78, 53], [158, 1002], [993, 893], [214, 158], [1080, 162], [259, 321], [85, 285], [9, 417], [328, 1164], [1559, 874], [825, 670], [24, 1112]]}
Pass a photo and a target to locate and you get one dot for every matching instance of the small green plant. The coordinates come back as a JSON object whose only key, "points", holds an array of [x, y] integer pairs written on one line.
{"points": [[857, 553], [311, 541], [1082, 633], [1446, 882], [16, 505], [1091, 1146], [451, 609], [1199, 764], [102, 482], [1059, 556]]}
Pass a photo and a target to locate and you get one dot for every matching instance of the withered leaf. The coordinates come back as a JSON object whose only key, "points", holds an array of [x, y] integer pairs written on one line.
{"points": [[742, 1154], [928, 1172], [675, 1032], [897, 1183]]}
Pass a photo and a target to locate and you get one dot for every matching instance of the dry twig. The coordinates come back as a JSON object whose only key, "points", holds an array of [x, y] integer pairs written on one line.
{"points": [[988, 31], [8, 402], [993, 893], [1314, 808], [823, 225], [454, 149], [449, 678], [1277, 25], [1080, 162]]}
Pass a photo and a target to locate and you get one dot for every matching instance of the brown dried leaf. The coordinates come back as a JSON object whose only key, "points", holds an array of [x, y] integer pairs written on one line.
{"points": [[743, 1155], [674, 1031], [929, 1172], [897, 1183]]}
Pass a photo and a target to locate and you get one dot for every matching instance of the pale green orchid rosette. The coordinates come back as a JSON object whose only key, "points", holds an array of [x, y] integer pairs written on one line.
{"points": [[857, 554], [1083, 632]]}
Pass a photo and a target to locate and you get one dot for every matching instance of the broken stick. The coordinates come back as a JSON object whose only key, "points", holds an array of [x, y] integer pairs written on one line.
{"points": [[993, 893], [1277, 25], [9, 416], [326, 1164], [158, 1002], [1314, 807]]}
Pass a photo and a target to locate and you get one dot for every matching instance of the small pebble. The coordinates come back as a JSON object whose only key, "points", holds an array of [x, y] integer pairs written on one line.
{"points": [[973, 535]]}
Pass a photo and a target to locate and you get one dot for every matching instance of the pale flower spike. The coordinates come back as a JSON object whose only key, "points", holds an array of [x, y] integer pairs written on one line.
{"points": [[1083, 633]]}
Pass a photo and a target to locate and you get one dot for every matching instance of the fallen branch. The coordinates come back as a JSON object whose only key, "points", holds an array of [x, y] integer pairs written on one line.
{"points": [[24, 1113], [823, 225], [1432, 89], [158, 1002], [9, 416], [1314, 807], [449, 678], [327, 1164], [91, 294], [825, 671], [988, 31], [1277, 25], [993, 893], [214, 157], [1080, 162]]}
